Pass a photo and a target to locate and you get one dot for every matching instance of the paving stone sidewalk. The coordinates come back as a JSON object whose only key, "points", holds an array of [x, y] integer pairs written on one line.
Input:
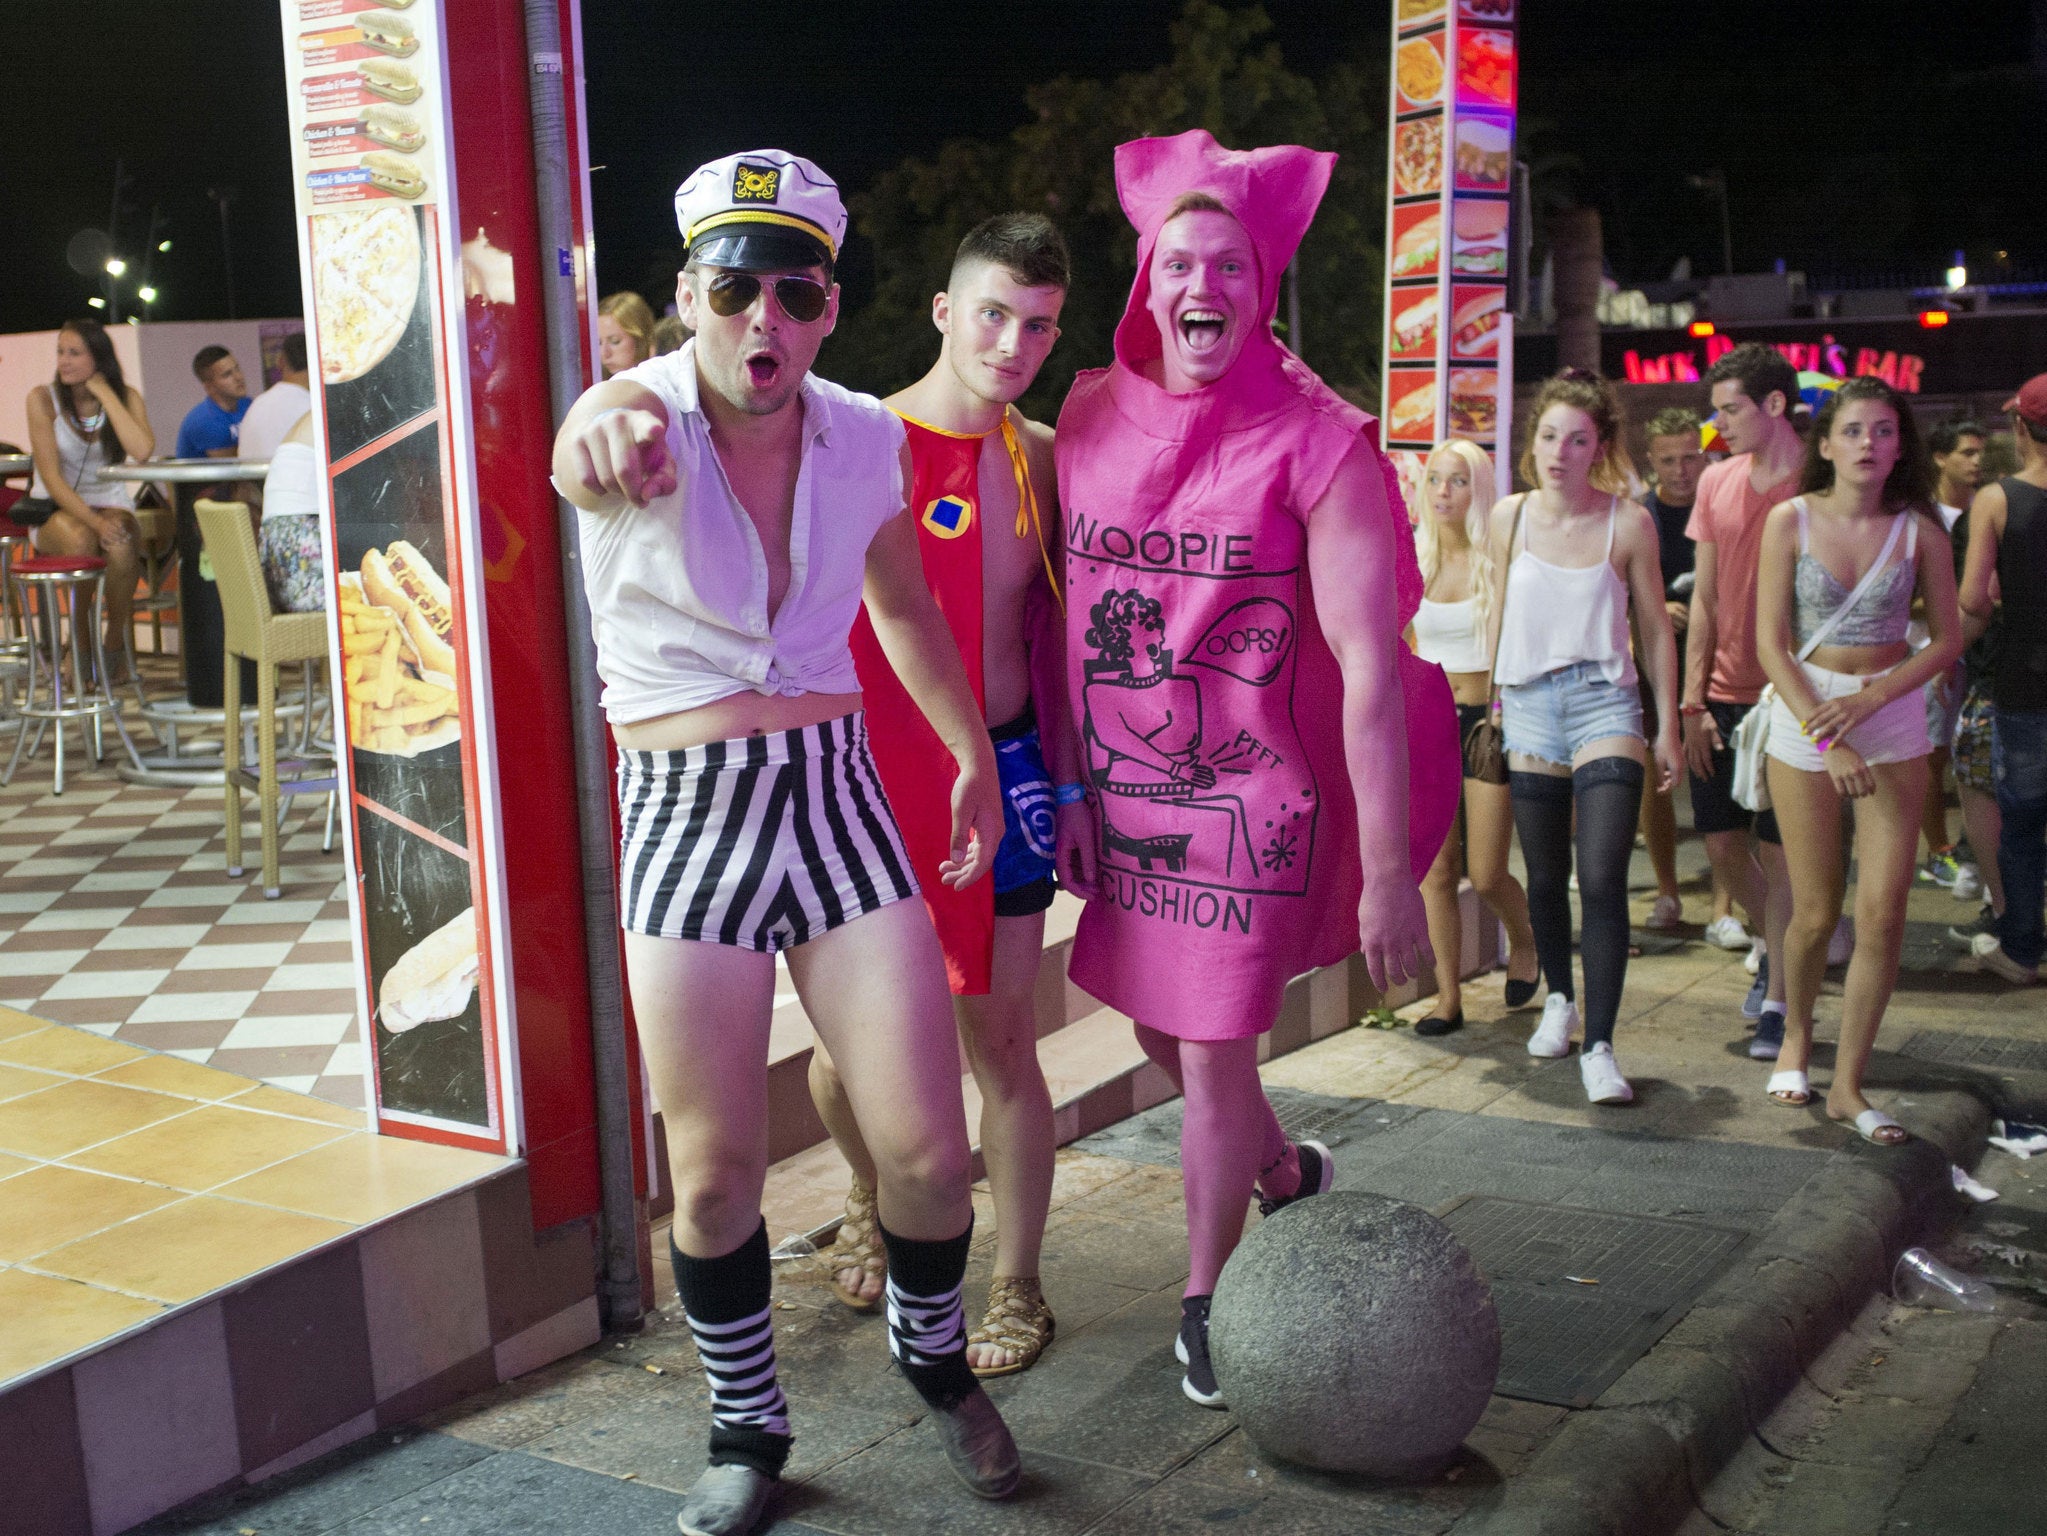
{"points": [[609, 1439]]}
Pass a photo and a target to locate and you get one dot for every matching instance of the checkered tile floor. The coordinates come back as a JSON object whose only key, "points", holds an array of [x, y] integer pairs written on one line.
{"points": [[117, 915]]}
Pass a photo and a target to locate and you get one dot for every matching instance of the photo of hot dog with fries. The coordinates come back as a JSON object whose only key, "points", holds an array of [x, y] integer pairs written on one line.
{"points": [[398, 654]]}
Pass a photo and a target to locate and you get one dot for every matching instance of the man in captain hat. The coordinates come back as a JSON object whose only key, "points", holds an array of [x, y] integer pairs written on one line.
{"points": [[735, 510]]}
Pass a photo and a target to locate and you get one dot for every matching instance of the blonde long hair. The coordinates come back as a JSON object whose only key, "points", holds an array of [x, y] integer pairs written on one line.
{"points": [[1428, 546]]}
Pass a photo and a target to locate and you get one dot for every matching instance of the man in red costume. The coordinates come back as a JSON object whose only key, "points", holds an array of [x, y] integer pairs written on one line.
{"points": [[987, 524]]}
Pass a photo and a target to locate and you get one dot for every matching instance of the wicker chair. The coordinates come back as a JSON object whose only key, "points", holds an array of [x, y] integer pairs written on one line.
{"points": [[271, 640]]}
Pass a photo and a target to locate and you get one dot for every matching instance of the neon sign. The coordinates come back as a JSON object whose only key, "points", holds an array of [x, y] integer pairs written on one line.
{"points": [[1903, 371]]}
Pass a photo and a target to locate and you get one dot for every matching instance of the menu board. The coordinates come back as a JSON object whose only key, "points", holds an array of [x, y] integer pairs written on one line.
{"points": [[1449, 176], [369, 140]]}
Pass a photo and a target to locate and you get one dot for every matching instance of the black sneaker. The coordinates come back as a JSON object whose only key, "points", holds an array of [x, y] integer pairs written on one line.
{"points": [[1752, 1005], [1769, 1037], [1191, 1348], [1318, 1172], [1964, 934]]}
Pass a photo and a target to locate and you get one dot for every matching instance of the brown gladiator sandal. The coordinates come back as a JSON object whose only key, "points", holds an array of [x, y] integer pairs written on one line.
{"points": [[858, 1246], [1017, 1320]]}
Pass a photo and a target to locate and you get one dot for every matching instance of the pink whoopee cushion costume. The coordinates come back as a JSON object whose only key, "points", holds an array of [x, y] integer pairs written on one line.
{"points": [[1209, 703]]}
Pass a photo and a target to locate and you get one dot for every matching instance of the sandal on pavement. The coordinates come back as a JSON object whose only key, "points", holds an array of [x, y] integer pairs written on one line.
{"points": [[1017, 1320], [1878, 1128], [1790, 1088], [858, 1247]]}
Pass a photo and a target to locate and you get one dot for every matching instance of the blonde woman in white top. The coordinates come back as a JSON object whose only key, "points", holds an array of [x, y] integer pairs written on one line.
{"points": [[1453, 628], [1579, 560]]}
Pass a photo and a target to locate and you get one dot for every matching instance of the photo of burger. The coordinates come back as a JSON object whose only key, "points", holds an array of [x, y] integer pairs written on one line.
{"points": [[1414, 325], [1411, 411], [1474, 403], [1475, 321], [1416, 249], [1483, 155], [1478, 239], [387, 34]]}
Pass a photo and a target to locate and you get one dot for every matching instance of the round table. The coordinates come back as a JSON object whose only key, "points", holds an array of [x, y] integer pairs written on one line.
{"points": [[201, 629], [15, 465]]}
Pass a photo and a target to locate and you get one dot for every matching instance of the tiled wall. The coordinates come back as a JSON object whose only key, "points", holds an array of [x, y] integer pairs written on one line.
{"points": [[408, 1315]]}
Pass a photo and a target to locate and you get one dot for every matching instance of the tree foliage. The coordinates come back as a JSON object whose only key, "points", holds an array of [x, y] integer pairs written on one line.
{"points": [[1224, 75]]}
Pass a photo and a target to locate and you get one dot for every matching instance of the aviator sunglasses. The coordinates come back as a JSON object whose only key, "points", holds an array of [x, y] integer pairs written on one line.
{"points": [[733, 293]]}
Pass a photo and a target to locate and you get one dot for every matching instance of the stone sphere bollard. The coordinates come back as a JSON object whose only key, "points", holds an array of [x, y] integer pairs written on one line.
{"points": [[1352, 1333]]}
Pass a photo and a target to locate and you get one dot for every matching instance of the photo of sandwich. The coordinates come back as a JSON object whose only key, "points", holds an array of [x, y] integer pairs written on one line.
{"points": [[1414, 325], [396, 663], [393, 174], [434, 979], [387, 33], [1474, 403], [1411, 415], [1418, 157], [389, 79], [1475, 321], [394, 127], [366, 262], [1483, 155], [1478, 239], [1418, 67], [1417, 248]]}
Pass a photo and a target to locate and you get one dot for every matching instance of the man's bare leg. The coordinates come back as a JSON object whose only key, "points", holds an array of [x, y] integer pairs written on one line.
{"points": [[1732, 855], [1777, 909]]}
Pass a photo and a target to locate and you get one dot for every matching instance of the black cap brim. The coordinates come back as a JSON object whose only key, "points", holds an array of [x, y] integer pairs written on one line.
{"points": [[759, 248]]}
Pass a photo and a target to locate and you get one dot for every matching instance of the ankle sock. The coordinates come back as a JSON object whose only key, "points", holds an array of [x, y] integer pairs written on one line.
{"points": [[728, 1303], [927, 1328]]}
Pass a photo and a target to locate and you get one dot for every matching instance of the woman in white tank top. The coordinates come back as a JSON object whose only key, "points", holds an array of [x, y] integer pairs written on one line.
{"points": [[1451, 629], [1579, 560], [86, 421]]}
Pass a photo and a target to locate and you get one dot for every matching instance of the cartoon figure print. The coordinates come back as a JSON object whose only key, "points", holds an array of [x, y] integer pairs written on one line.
{"points": [[1198, 771]]}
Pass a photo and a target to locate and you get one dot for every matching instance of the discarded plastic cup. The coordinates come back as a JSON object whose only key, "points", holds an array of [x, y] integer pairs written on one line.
{"points": [[1921, 1280]]}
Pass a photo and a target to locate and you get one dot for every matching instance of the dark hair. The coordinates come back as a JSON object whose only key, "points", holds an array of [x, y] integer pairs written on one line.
{"points": [[1584, 390], [104, 358], [2037, 433], [1947, 436], [293, 348], [1028, 246], [1761, 372], [1119, 612], [1673, 421], [203, 362], [1909, 486]]}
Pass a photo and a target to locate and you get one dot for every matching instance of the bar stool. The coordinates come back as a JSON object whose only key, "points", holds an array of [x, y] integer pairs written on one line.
{"points": [[13, 628], [67, 592]]}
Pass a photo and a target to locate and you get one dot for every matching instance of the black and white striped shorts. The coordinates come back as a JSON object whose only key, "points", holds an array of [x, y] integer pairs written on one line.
{"points": [[761, 842]]}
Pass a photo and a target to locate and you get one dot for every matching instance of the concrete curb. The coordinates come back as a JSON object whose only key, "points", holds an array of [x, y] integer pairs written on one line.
{"points": [[1635, 1462]]}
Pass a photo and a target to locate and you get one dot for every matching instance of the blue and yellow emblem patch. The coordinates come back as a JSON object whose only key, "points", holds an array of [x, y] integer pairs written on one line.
{"points": [[756, 183], [948, 517]]}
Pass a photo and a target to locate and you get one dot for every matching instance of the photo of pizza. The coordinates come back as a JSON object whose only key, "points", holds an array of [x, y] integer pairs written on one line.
{"points": [[1418, 68], [1418, 157], [366, 262]]}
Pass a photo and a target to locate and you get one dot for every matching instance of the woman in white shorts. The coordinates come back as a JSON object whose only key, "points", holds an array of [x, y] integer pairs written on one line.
{"points": [[1841, 565]]}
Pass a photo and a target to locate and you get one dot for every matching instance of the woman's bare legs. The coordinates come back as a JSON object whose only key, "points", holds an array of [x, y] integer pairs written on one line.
{"points": [[66, 534], [1489, 832], [1446, 923], [1809, 819], [1886, 849]]}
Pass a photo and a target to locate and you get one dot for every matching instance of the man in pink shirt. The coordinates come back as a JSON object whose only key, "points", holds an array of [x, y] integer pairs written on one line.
{"points": [[1754, 390]]}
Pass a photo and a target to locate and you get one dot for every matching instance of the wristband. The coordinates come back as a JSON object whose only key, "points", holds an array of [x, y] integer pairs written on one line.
{"points": [[1069, 794]]}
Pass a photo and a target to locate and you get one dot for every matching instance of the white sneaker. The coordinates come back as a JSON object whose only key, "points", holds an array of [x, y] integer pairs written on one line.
{"points": [[1602, 1076], [1968, 884], [1841, 947], [1668, 912], [1552, 1036], [1757, 953], [1726, 932], [1989, 955]]}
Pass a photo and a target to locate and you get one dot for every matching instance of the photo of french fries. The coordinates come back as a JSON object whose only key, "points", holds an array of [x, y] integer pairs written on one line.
{"points": [[395, 704]]}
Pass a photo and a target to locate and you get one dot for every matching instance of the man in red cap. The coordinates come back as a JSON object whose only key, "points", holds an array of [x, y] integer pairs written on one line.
{"points": [[2008, 542]]}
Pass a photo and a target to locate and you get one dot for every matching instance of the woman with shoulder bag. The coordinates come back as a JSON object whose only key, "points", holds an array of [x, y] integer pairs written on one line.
{"points": [[79, 426], [1578, 558], [1847, 719], [1451, 628]]}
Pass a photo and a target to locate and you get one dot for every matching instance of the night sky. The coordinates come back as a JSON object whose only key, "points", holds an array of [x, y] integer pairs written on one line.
{"points": [[1861, 140]]}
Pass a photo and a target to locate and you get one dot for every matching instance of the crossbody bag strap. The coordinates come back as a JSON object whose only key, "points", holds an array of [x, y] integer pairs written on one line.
{"points": [[1869, 577]]}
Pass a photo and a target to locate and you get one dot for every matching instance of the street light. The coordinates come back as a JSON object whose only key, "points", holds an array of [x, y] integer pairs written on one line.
{"points": [[116, 266], [1958, 274], [163, 245], [146, 293], [97, 302]]}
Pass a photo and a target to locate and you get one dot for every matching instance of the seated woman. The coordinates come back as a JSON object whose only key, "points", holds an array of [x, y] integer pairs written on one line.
{"points": [[78, 427], [1848, 720], [290, 539]]}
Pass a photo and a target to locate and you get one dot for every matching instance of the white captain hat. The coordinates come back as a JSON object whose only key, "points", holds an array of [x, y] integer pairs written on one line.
{"points": [[761, 210]]}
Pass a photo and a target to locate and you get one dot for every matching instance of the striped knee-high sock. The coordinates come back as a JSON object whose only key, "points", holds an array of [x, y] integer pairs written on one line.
{"points": [[728, 1302], [927, 1330]]}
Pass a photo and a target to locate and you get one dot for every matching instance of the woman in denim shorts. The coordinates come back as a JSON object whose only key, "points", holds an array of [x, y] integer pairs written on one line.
{"points": [[1578, 561]]}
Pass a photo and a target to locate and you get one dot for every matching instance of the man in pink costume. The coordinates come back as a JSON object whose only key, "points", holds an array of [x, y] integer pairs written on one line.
{"points": [[1269, 769]]}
